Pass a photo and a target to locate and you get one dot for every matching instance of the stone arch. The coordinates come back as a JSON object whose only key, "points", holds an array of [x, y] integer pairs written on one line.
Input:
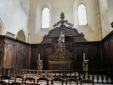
{"points": [[1, 28], [103, 6], [22, 4], [1, 32], [105, 3], [21, 36]]}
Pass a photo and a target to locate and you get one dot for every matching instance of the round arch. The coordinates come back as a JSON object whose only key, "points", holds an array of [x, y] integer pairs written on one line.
{"points": [[1, 27], [21, 36], [1, 32]]}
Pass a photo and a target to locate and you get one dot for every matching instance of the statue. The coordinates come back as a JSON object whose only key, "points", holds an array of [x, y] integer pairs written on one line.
{"points": [[39, 63], [61, 40], [85, 63]]}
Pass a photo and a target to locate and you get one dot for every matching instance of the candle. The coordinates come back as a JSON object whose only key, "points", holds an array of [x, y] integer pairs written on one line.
{"points": [[39, 56], [84, 55]]}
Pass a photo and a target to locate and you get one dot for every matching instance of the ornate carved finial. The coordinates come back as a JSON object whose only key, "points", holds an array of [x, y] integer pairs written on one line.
{"points": [[62, 16], [112, 24], [63, 22]]}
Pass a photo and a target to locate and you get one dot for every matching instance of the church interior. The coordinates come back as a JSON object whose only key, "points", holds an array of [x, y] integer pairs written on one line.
{"points": [[56, 42]]}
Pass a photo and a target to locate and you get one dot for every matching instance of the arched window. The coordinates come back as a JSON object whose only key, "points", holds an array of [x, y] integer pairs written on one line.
{"points": [[82, 16], [45, 18]]}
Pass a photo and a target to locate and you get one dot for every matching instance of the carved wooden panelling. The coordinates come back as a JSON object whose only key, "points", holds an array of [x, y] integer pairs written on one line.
{"points": [[1, 52], [9, 54], [92, 51], [107, 50], [19, 56], [15, 53]]}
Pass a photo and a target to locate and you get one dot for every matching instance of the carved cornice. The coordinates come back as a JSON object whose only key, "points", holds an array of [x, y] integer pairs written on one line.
{"points": [[62, 22]]}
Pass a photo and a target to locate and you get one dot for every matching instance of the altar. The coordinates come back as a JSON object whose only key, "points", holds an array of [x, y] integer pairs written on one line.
{"points": [[61, 40], [60, 65]]}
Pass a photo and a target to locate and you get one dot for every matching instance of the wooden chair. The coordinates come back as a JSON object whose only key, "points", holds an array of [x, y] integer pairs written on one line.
{"points": [[57, 79], [34, 84], [5, 77], [43, 79], [3, 83], [20, 78], [70, 80], [87, 81], [31, 81], [16, 83]]}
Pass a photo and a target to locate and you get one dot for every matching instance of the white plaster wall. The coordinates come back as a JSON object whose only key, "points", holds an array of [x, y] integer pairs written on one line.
{"points": [[25, 5], [13, 16], [1, 27], [92, 31], [56, 7], [106, 13]]}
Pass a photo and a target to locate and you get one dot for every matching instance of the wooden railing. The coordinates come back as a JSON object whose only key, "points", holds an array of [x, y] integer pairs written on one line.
{"points": [[100, 77]]}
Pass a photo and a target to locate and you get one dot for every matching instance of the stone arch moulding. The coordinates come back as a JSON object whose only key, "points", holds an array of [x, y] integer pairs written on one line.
{"points": [[1, 27], [21, 36]]}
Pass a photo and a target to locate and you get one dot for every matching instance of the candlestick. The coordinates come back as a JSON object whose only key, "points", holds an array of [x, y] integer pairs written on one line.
{"points": [[84, 55], [39, 56]]}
